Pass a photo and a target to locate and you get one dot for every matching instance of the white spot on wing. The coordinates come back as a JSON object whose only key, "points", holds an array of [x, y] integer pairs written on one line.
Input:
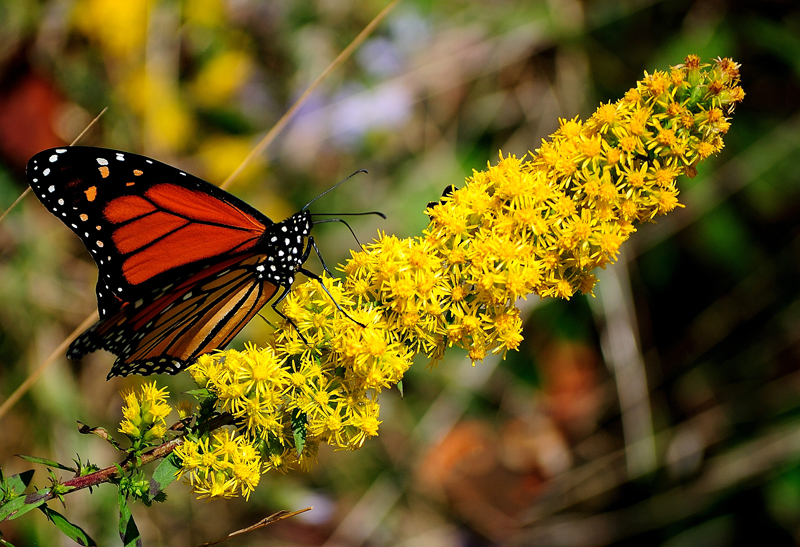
{"points": [[53, 158], [102, 161], [46, 172], [51, 189], [61, 150]]}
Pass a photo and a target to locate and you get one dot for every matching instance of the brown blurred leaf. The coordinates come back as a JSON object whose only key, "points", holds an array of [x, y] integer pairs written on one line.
{"points": [[26, 119]]}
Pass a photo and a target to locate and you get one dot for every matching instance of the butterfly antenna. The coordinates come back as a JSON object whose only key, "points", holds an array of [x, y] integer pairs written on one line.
{"points": [[376, 213], [324, 221], [334, 187]]}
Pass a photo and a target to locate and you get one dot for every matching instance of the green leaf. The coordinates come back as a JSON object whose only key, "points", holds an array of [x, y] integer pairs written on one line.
{"points": [[100, 432], [48, 463], [128, 532], [400, 388], [75, 533], [16, 484], [22, 504], [299, 423], [164, 474]]}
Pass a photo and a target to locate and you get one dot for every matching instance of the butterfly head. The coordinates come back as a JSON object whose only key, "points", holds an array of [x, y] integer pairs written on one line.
{"points": [[301, 222], [285, 249]]}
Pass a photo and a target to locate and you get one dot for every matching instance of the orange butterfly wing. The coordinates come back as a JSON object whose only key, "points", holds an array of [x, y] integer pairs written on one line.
{"points": [[170, 226], [183, 265], [169, 328], [143, 221]]}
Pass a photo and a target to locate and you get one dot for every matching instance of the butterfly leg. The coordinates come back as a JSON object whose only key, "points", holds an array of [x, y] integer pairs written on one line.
{"points": [[280, 299], [313, 245], [267, 321], [312, 275]]}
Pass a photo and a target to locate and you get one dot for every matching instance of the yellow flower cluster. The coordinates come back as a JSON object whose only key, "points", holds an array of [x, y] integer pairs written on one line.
{"points": [[540, 226], [220, 466], [524, 226], [277, 393], [144, 414]]}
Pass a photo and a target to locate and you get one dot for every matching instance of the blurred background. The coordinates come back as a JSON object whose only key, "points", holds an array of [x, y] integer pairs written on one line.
{"points": [[665, 411]]}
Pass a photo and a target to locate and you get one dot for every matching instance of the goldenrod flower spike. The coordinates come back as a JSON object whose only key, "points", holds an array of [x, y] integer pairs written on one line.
{"points": [[533, 225]]}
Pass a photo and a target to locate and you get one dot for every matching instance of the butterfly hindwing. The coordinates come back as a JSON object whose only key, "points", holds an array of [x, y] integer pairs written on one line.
{"points": [[143, 221], [167, 329]]}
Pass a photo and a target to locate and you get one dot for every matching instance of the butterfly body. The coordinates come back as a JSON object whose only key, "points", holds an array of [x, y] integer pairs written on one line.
{"points": [[183, 265]]}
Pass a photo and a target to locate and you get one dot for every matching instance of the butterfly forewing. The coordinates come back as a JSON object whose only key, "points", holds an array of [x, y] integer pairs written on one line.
{"points": [[143, 221], [183, 265], [169, 328]]}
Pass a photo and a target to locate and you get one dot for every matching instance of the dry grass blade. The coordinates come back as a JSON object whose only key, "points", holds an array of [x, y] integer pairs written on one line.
{"points": [[62, 347], [28, 189], [343, 56], [88, 127], [16, 201], [280, 515]]}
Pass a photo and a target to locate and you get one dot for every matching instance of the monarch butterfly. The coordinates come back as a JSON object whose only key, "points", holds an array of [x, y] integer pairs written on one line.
{"points": [[183, 265]]}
